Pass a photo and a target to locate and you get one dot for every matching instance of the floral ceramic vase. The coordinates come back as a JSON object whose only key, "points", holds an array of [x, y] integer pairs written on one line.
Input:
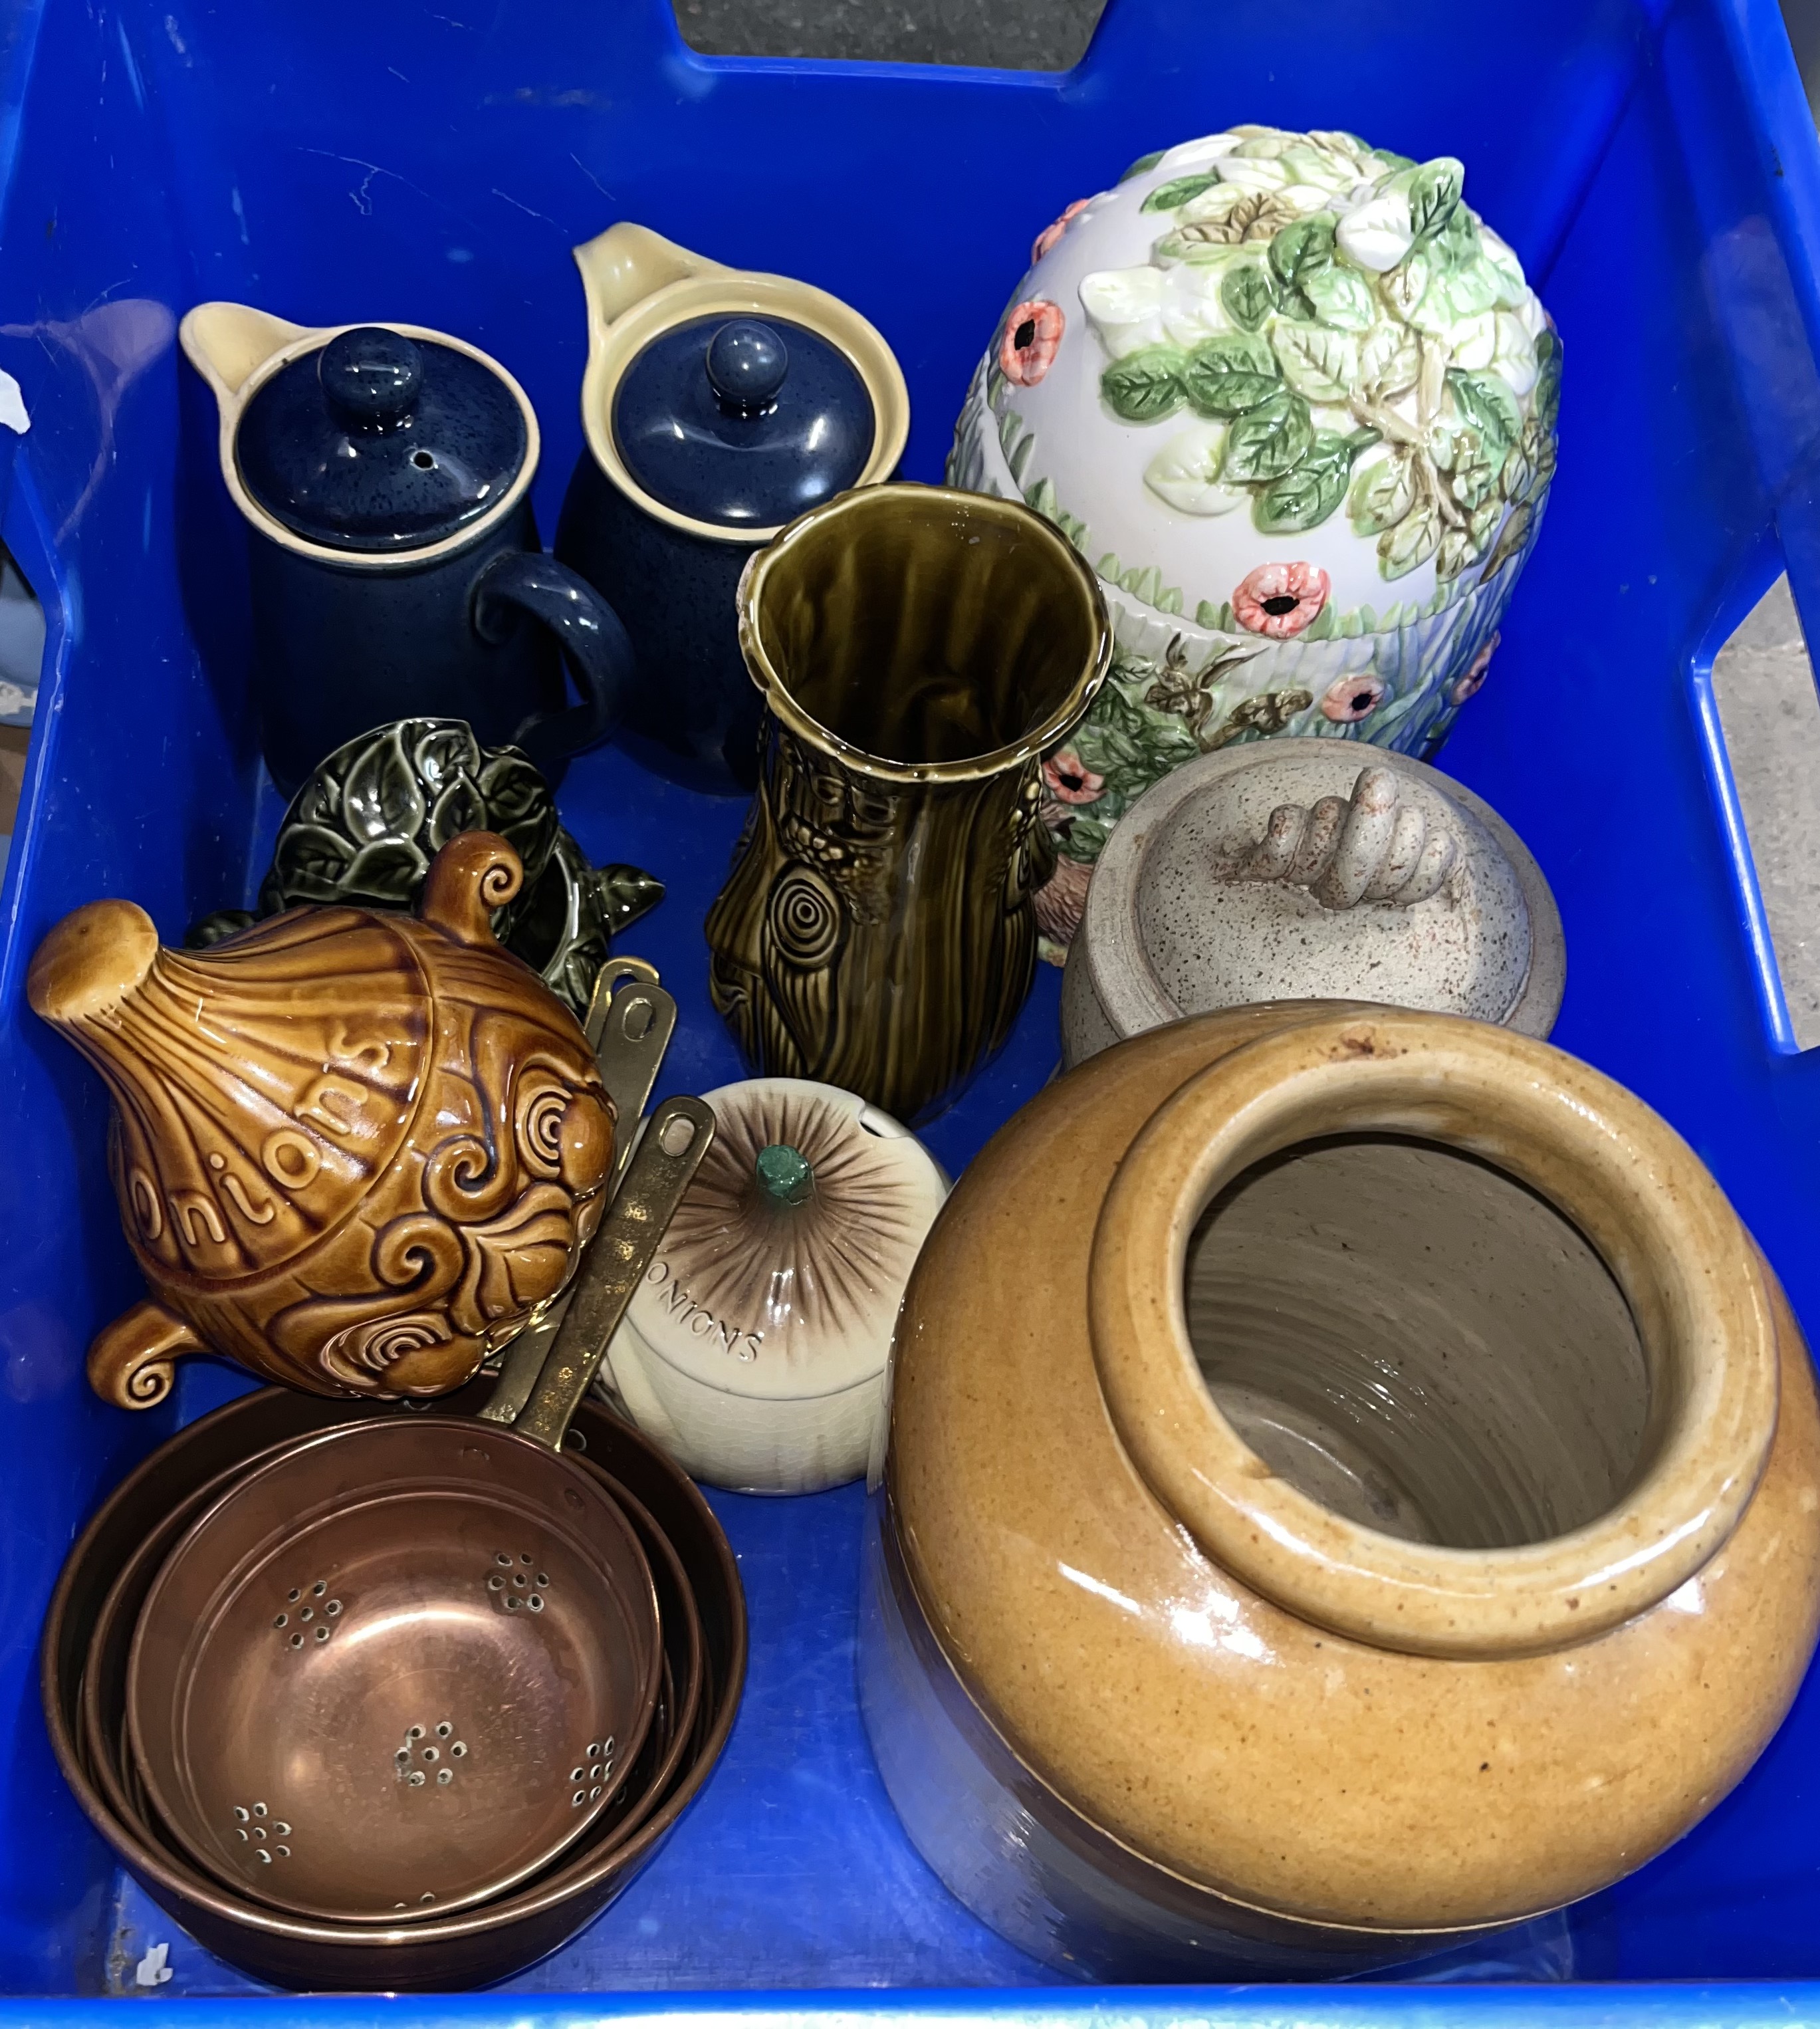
{"points": [[353, 1149], [1295, 402]]}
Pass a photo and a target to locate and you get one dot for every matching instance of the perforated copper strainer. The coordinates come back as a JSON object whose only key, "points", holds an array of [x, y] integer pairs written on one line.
{"points": [[401, 1665]]}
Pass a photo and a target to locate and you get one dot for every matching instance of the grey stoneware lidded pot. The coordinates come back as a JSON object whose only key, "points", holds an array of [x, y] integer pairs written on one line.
{"points": [[1308, 870], [384, 472], [718, 405]]}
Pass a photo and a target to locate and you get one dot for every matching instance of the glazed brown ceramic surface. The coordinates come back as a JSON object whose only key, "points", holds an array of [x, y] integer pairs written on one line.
{"points": [[917, 649], [1204, 1648], [352, 1149]]}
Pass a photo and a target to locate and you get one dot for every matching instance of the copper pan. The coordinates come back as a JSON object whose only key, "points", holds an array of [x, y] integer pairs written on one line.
{"points": [[398, 1668], [476, 1947], [666, 1748]]}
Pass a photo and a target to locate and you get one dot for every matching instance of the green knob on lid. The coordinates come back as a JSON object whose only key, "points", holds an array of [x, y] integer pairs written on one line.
{"points": [[784, 1175]]}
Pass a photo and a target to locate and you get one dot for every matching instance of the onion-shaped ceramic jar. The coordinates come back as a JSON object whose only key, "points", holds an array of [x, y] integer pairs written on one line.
{"points": [[1353, 1483], [353, 1149], [755, 1351], [1296, 402]]}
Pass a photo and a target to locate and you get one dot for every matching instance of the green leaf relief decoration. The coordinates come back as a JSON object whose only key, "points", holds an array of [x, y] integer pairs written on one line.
{"points": [[1143, 162], [1392, 161], [1042, 497], [1403, 287], [1320, 365], [1511, 539], [1247, 295], [1546, 404], [1146, 385], [1434, 193], [1225, 376], [1389, 362], [1268, 440], [1305, 497], [1484, 401], [1297, 249], [1456, 245], [1460, 461], [1169, 601], [1411, 542], [1109, 568], [1174, 194], [1341, 296], [1207, 615], [1383, 494], [1020, 458], [1457, 550]]}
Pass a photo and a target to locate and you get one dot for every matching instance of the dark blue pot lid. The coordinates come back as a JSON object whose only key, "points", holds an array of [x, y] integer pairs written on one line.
{"points": [[741, 423], [381, 443]]}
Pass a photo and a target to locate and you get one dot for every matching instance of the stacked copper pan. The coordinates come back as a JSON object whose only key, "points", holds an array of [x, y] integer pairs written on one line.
{"points": [[87, 1640]]}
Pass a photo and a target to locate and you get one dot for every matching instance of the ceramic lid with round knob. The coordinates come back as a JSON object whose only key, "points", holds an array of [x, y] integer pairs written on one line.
{"points": [[1293, 869], [383, 442], [782, 1269], [726, 401], [742, 422]]}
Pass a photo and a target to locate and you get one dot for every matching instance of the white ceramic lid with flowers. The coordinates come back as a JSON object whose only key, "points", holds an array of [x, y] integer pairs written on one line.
{"points": [[1295, 402]]}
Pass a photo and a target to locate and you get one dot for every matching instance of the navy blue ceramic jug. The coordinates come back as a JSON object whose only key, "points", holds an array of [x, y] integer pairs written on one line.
{"points": [[718, 405], [384, 473]]}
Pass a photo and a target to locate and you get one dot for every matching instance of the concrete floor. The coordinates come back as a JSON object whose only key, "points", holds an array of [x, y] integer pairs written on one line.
{"points": [[1037, 34], [1763, 682]]}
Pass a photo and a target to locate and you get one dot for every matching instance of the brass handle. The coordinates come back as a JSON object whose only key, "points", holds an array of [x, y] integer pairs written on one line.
{"points": [[668, 1155]]}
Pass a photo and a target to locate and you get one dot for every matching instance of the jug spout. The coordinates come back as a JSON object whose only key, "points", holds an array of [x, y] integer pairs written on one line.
{"points": [[228, 343], [624, 265]]}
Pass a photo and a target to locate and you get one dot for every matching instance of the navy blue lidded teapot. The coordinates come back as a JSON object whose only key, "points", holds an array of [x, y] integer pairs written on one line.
{"points": [[384, 474], [718, 405]]}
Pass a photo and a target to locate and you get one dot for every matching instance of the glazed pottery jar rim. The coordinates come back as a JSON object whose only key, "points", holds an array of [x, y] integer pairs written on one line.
{"points": [[233, 406], [863, 500], [1660, 1224], [731, 292]]}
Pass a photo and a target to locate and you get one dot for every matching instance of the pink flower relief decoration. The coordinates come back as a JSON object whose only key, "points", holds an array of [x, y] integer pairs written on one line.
{"points": [[1061, 902], [1352, 699], [1033, 336], [1281, 599], [1069, 779], [1051, 234], [1468, 685]]}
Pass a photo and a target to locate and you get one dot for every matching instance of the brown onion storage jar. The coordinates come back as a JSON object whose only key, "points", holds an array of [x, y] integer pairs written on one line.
{"points": [[1354, 1483]]}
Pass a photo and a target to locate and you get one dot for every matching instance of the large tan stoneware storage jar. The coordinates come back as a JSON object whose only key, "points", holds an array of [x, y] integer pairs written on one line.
{"points": [[1354, 1483]]}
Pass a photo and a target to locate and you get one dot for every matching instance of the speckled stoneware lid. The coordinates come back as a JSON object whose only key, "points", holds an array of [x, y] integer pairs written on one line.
{"points": [[1287, 870], [784, 1265], [381, 442]]}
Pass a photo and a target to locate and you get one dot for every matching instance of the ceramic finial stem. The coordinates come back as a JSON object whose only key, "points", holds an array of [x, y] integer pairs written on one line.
{"points": [[785, 1174]]}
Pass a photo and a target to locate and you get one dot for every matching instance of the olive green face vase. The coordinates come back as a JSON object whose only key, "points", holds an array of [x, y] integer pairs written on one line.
{"points": [[918, 649]]}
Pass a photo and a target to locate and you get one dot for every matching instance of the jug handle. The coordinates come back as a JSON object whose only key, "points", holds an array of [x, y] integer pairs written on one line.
{"points": [[594, 644], [624, 265], [475, 873], [227, 342], [132, 1362]]}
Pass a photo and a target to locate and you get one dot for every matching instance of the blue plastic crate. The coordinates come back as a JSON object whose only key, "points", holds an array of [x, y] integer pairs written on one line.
{"points": [[1656, 168]]}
